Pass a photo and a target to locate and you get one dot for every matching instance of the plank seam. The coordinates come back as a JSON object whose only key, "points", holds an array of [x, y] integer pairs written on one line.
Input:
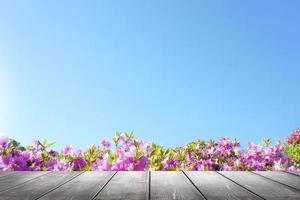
{"points": [[298, 175], [241, 186], [56, 187], [194, 185], [95, 195], [275, 181], [149, 186], [24, 182]]}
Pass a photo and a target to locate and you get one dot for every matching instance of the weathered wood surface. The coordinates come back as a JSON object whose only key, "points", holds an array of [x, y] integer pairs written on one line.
{"points": [[215, 186], [84, 187], [148, 185], [126, 185], [261, 186], [295, 173], [172, 185], [282, 177], [17, 178], [37, 187], [6, 173]]}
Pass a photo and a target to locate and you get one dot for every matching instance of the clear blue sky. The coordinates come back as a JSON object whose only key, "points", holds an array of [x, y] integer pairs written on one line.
{"points": [[172, 71]]}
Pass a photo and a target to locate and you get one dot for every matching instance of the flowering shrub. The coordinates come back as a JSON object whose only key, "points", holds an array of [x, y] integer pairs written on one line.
{"points": [[293, 146], [127, 153], [294, 137]]}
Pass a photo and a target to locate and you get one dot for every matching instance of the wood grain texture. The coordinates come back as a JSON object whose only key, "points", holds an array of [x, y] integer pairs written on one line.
{"points": [[38, 186], [295, 173], [262, 186], [126, 185], [172, 185], [2, 174], [216, 187], [83, 187], [282, 177], [17, 178], [138, 185]]}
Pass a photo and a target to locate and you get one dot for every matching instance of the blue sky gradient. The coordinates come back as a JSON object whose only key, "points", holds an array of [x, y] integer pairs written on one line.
{"points": [[172, 71]]}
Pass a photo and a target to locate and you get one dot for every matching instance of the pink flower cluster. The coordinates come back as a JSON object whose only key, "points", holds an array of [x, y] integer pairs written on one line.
{"points": [[294, 137], [128, 153], [34, 158], [227, 155]]}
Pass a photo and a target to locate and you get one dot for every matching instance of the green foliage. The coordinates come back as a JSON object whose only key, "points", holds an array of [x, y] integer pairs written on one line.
{"points": [[266, 142], [91, 154], [157, 156], [293, 150]]}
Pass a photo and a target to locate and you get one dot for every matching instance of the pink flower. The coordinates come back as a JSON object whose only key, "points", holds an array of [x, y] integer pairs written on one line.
{"points": [[102, 164], [170, 164], [78, 164], [19, 164], [226, 167], [4, 142], [57, 165], [5, 164], [142, 163], [50, 165], [68, 150], [37, 146], [294, 137], [105, 143]]}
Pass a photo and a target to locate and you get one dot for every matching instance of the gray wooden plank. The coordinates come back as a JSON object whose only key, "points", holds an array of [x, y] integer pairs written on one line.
{"points": [[131, 185], [18, 178], [262, 186], [172, 185], [6, 173], [295, 173], [83, 187], [38, 186], [214, 186], [282, 177]]}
